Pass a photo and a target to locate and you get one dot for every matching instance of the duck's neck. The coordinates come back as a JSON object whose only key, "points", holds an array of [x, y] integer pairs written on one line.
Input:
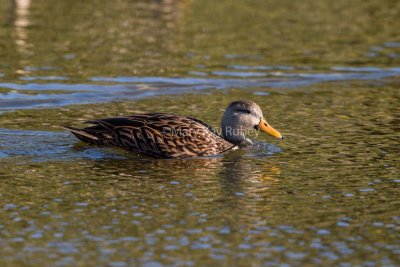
{"points": [[234, 135]]}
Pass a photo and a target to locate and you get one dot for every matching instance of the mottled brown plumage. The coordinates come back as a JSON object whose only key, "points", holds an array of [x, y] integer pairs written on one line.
{"points": [[158, 135]]}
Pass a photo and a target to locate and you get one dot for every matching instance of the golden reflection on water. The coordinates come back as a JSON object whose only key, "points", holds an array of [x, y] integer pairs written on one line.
{"points": [[21, 23], [21, 36]]}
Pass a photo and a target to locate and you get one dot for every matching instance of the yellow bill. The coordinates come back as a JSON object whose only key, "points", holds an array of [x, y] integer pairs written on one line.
{"points": [[266, 128]]}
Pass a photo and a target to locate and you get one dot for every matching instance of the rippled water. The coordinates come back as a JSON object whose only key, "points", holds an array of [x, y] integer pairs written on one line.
{"points": [[327, 75]]}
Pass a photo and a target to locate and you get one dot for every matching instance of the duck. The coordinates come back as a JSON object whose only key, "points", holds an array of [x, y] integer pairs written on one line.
{"points": [[163, 135]]}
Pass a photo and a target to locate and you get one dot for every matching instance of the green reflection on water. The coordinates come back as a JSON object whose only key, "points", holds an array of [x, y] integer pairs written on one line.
{"points": [[88, 38], [330, 196]]}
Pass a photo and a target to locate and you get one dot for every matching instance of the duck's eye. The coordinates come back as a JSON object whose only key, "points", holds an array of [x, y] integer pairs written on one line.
{"points": [[244, 111]]}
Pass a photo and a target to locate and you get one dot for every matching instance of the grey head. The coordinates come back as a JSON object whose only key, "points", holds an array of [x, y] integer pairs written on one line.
{"points": [[239, 118]]}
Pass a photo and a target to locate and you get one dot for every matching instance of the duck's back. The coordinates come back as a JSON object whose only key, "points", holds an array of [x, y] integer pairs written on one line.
{"points": [[157, 134]]}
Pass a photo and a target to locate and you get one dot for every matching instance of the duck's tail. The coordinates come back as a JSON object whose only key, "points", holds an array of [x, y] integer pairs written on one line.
{"points": [[82, 134]]}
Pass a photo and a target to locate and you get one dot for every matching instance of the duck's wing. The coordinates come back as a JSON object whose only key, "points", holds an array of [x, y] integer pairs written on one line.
{"points": [[156, 134]]}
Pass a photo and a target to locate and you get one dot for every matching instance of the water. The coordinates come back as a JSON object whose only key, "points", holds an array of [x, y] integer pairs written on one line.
{"points": [[326, 195]]}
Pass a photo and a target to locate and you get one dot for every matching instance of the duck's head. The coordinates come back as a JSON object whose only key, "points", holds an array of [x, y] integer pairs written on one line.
{"points": [[242, 116]]}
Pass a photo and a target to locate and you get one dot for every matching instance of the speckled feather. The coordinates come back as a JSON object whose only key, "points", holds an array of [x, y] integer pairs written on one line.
{"points": [[157, 134]]}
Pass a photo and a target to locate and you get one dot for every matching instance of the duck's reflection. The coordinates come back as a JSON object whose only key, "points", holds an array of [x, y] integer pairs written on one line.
{"points": [[245, 175], [233, 178]]}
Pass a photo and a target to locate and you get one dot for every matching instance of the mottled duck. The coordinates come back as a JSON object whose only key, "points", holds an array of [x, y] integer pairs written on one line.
{"points": [[164, 135]]}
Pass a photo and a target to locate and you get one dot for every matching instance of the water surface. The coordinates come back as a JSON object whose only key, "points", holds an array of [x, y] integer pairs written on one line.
{"points": [[327, 75]]}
